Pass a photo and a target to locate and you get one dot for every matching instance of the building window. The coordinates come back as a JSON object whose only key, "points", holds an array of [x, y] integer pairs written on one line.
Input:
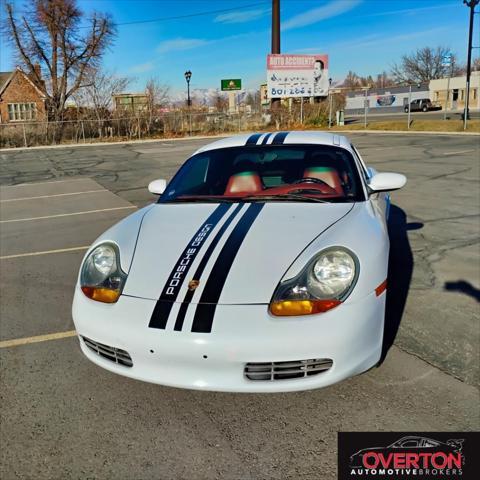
{"points": [[475, 93], [22, 111]]}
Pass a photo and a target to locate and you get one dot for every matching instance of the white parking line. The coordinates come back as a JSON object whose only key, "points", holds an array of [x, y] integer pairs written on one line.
{"points": [[458, 153], [45, 252], [50, 196], [42, 183], [39, 338], [66, 214]]}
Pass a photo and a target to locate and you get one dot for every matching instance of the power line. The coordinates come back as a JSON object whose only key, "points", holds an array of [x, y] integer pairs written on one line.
{"points": [[179, 17]]}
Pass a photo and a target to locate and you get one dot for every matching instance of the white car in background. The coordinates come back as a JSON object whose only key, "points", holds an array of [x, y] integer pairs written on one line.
{"points": [[261, 268]]}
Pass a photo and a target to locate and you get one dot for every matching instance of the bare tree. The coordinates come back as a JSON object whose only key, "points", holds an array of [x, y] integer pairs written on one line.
{"points": [[97, 94], [423, 65], [54, 34], [157, 97], [352, 80], [220, 102]]}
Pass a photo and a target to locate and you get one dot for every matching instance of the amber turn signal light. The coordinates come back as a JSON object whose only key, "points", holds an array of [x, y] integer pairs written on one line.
{"points": [[381, 288], [302, 307], [105, 295]]}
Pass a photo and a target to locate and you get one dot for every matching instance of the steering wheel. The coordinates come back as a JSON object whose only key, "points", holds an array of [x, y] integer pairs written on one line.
{"points": [[318, 184], [310, 180]]}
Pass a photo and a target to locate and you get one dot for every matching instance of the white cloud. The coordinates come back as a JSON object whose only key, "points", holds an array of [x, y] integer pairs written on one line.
{"points": [[373, 40], [180, 44], [240, 17], [142, 67], [332, 9], [410, 11]]}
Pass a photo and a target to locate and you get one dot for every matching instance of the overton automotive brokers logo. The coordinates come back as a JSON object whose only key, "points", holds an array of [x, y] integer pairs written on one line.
{"points": [[403, 455]]}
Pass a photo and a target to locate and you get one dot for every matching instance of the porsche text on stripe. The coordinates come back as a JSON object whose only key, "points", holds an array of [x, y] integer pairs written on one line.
{"points": [[203, 319], [201, 267], [177, 276]]}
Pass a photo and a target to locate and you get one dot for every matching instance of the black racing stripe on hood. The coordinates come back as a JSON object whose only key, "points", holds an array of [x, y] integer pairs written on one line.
{"points": [[201, 267], [161, 312], [252, 139], [203, 319], [279, 138], [265, 140]]}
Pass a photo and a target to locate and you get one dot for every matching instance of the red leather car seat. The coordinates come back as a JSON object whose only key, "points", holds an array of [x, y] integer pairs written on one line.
{"points": [[328, 175], [244, 182]]}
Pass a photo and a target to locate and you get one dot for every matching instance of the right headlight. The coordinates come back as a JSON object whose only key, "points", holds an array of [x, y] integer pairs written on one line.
{"points": [[322, 285], [101, 276]]}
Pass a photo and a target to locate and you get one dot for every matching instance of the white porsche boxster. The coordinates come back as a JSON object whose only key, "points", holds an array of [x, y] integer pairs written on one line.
{"points": [[262, 267]]}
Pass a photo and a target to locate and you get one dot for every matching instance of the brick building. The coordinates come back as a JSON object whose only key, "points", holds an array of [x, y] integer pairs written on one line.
{"points": [[21, 100]]}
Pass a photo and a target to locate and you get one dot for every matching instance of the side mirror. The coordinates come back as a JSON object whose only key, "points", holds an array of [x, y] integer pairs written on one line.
{"points": [[157, 187], [386, 182]]}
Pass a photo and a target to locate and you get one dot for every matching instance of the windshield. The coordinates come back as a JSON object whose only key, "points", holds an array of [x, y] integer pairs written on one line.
{"points": [[267, 173]]}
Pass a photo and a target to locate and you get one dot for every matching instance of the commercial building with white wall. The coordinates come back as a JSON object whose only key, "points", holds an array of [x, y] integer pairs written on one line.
{"points": [[456, 91], [389, 99]]}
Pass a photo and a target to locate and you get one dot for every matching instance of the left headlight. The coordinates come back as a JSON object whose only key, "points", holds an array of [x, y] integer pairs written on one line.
{"points": [[101, 276], [322, 285]]}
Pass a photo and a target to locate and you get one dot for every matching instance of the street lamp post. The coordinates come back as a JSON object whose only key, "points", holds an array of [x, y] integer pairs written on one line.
{"points": [[188, 76], [471, 4]]}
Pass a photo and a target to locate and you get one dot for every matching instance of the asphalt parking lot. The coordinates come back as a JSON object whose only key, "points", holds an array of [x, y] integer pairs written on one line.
{"points": [[63, 417]]}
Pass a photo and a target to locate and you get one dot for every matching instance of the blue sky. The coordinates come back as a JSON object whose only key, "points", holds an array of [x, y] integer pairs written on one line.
{"points": [[365, 36]]}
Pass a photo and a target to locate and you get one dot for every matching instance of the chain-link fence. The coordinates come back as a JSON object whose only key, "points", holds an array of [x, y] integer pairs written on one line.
{"points": [[168, 125]]}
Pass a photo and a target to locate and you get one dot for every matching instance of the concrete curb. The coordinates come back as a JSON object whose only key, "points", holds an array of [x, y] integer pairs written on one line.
{"points": [[203, 137], [403, 132], [121, 142]]}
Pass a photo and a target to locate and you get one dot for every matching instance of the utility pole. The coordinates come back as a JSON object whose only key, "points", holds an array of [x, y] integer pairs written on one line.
{"points": [[470, 4], [275, 38]]}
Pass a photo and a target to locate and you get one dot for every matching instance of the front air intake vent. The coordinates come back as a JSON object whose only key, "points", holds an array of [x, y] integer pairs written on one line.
{"points": [[113, 354], [287, 370]]}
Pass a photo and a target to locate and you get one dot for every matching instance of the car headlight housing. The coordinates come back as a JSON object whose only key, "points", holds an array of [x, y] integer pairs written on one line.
{"points": [[324, 283], [101, 277]]}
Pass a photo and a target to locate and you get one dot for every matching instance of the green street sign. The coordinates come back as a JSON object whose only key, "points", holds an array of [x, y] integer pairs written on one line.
{"points": [[231, 84]]}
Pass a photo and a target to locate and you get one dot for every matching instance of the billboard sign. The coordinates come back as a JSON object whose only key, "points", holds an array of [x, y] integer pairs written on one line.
{"points": [[231, 84], [297, 76]]}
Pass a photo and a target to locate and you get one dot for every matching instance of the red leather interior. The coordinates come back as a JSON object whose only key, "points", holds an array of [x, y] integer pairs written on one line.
{"points": [[326, 174], [244, 182]]}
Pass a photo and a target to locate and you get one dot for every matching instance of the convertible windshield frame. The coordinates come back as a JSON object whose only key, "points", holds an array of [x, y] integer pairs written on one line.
{"points": [[308, 189]]}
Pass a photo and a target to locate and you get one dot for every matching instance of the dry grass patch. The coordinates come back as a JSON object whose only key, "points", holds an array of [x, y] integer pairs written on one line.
{"points": [[417, 126]]}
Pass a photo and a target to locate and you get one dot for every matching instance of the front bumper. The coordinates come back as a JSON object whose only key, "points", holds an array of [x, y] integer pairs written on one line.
{"points": [[351, 335]]}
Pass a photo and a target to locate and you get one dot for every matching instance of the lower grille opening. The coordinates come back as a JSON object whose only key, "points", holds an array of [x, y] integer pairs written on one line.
{"points": [[287, 370], [113, 354]]}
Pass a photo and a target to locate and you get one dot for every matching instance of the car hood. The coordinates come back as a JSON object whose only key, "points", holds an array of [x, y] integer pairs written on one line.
{"points": [[245, 249]]}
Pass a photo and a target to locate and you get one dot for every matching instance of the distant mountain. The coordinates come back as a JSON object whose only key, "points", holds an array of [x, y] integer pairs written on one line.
{"points": [[205, 96]]}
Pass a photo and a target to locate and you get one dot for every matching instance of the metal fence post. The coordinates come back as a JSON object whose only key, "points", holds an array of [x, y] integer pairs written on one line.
{"points": [[330, 108], [365, 112], [409, 105]]}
